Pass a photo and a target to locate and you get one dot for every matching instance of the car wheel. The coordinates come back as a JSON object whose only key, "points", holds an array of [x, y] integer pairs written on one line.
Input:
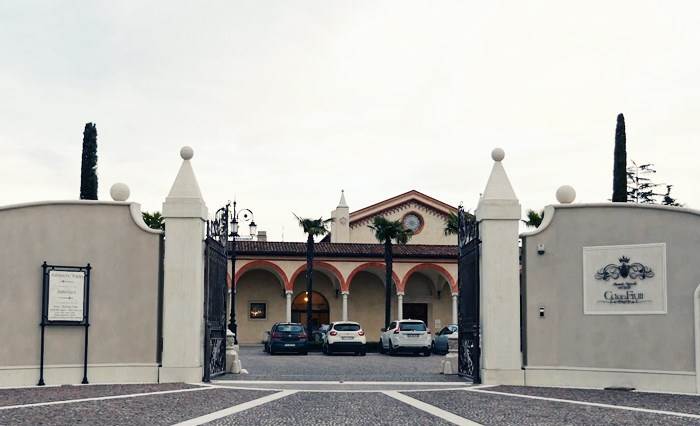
{"points": [[381, 347], [392, 351], [271, 352], [427, 352], [324, 349], [329, 350], [304, 353]]}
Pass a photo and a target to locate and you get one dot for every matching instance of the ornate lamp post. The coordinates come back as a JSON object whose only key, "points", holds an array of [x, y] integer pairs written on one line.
{"points": [[238, 216]]}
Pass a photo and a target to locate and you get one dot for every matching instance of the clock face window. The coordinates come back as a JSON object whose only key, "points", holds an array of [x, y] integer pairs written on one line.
{"points": [[413, 222]]}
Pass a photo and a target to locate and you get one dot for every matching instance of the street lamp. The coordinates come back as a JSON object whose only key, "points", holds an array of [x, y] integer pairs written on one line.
{"points": [[245, 216]]}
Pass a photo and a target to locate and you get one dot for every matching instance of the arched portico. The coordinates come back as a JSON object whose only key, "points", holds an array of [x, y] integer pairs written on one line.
{"points": [[429, 292], [260, 289]]}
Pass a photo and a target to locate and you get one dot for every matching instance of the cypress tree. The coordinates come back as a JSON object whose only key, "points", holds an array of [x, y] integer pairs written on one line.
{"points": [[88, 169], [620, 164]]}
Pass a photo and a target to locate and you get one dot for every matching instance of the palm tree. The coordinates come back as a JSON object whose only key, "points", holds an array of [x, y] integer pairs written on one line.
{"points": [[153, 220], [386, 232], [452, 222], [312, 228], [534, 219]]}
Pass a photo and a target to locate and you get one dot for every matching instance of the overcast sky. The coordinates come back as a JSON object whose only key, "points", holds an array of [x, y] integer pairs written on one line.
{"points": [[286, 103]]}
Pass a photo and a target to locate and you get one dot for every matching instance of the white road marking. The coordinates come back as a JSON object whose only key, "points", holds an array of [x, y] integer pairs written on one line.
{"points": [[307, 390], [235, 409], [103, 398], [431, 409], [335, 382], [591, 404]]}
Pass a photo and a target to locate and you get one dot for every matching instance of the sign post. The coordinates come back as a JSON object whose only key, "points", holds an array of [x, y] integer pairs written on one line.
{"points": [[65, 300]]}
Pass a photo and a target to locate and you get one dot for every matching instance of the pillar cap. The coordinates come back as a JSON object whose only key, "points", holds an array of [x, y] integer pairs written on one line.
{"points": [[185, 198]]}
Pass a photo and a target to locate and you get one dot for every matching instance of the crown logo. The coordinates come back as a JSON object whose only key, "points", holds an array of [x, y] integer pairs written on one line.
{"points": [[624, 259]]}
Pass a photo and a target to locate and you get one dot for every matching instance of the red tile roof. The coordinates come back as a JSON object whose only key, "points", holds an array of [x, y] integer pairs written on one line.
{"points": [[274, 248]]}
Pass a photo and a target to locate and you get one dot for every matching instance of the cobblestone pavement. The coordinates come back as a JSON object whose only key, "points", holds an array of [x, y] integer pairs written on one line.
{"points": [[380, 394], [316, 366]]}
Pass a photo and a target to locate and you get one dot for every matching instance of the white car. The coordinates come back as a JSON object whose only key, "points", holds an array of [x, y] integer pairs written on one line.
{"points": [[345, 336], [406, 336]]}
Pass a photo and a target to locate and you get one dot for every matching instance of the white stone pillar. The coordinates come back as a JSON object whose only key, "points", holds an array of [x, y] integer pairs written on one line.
{"points": [[399, 303], [185, 214], [345, 305], [455, 299], [498, 214], [289, 305]]}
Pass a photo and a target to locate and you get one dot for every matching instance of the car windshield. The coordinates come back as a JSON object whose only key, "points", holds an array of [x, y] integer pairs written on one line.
{"points": [[290, 328], [347, 327], [412, 326]]}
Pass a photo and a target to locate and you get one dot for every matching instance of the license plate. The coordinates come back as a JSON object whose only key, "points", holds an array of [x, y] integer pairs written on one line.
{"points": [[413, 335], [346, 337], [289, 345]]}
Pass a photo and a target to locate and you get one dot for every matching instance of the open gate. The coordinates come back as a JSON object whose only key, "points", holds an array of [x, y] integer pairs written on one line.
{"points": [[215, 295], [468, 313]]}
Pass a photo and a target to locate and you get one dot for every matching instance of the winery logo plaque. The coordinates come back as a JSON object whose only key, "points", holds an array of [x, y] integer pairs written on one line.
{"points": [[625, 280]]}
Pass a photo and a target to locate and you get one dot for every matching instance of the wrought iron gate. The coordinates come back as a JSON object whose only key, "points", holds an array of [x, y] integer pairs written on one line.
{"points": [[215, 295], [468, 314]]}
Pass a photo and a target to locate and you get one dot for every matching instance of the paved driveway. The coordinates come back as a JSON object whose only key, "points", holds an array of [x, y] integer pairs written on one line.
{"points": [[317, 366]]}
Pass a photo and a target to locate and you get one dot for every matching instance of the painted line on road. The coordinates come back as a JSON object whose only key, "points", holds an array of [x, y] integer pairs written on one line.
{"points": [[336, 382], [431, 409], [236, 409], [590, 404], [306, 390], [104, 398]]}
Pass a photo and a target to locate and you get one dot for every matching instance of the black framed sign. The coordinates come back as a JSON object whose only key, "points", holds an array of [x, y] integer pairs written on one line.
{"points": [[65, 301], [66, 295]]}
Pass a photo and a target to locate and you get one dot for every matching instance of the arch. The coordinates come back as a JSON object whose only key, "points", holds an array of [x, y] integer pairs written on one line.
{"points": [[321, 310], [266, 266], [368, 265], [430, 266], [321, 265]]}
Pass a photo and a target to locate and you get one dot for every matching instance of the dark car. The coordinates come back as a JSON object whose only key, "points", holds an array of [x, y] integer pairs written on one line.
{"points": [[287, 337]]}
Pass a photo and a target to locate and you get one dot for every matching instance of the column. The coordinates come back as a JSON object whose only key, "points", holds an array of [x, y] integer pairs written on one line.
{"points": [[455, 298], [399, 302], [345, 305], [289, 305], [185, 214], [498, 214]]}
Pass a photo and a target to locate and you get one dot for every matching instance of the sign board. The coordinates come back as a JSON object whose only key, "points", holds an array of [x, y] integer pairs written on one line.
{"points": [[624, 280], [66, 296]]}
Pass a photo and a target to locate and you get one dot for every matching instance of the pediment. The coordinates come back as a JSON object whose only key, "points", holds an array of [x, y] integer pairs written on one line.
{"points": [[412, 200]]}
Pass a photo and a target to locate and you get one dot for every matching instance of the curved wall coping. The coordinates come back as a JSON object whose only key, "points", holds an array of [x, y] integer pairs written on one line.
{"points": [[134, 209], [550, 210]]}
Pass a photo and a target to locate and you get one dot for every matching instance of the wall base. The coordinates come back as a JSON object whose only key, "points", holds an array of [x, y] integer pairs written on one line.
{"points": [[502, 377], [180, 374], [72, 374], [662, 381]]}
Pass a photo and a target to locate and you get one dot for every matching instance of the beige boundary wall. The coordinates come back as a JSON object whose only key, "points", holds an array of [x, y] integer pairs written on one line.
{"points": [[124, 255], [567, 347]]}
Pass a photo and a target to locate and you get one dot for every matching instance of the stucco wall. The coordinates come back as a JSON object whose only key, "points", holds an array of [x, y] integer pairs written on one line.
{"points": [[258, 286], [123, 291], [566, 337], [431, 233]]}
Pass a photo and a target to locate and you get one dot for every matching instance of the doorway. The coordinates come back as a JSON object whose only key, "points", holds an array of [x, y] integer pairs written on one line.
{"points": [[418, 311], [320, 312]]}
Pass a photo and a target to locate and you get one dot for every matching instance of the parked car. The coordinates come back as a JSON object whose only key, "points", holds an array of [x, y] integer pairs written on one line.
{"points": [[405, 336], [442, 338], [345, 336], [287, 337], [319, 334]]}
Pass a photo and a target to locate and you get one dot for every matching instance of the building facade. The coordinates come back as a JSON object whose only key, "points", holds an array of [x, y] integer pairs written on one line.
{"points": [[349, 271]]}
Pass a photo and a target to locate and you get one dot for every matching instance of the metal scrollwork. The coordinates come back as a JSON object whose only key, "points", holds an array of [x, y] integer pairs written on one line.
{"points": [[624, 269]]}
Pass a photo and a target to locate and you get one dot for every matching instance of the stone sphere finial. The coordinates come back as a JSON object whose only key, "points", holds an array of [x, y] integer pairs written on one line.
{"points": [[186, 152], [119, 192], [498, 154], [566, 194]]}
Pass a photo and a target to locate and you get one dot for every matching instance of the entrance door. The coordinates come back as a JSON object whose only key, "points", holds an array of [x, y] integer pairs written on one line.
{"points": [[418, 311], [320, 312]]}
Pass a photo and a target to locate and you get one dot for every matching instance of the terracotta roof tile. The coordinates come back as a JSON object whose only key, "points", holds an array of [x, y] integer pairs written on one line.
{"points": [[324, 249]]}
